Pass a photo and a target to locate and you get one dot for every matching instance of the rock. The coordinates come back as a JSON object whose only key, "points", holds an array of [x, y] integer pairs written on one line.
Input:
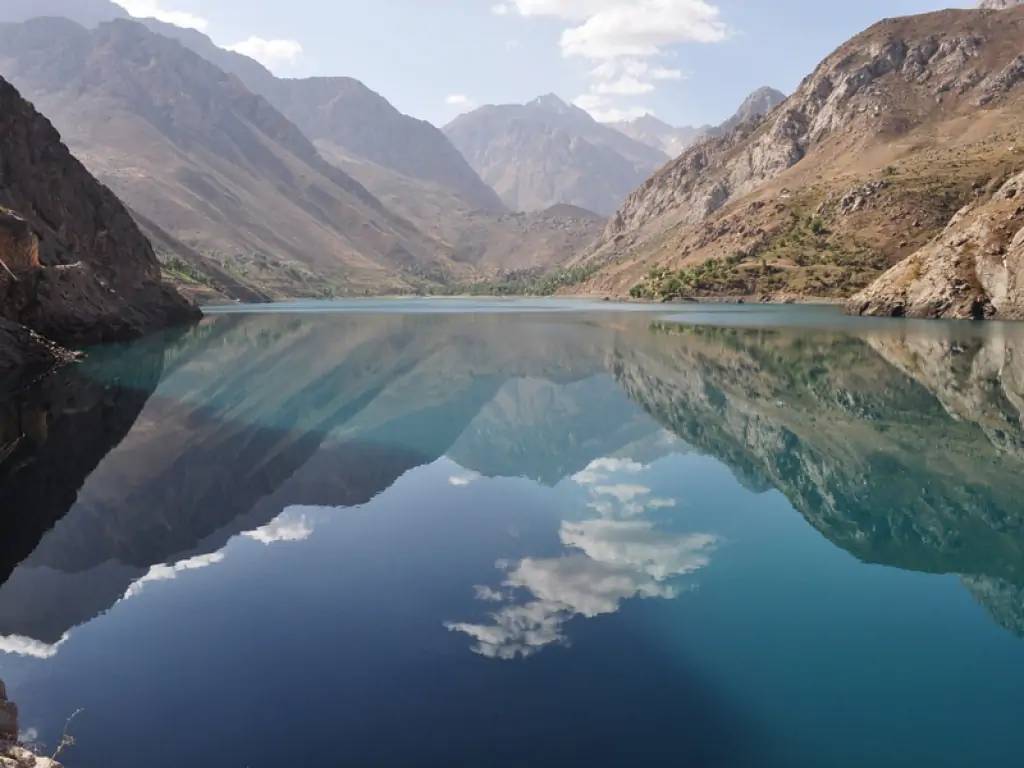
{"points": [[973, 270], [78, 270], [19, 246]]}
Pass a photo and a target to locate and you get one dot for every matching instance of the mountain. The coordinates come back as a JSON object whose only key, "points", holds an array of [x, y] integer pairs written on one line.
{"points": [[674, 141], [345, 113], [548, 152], [75, 267], [660, 135], [189, 148], [88, 13], [410, 165], [757, 104], [862, 166]]}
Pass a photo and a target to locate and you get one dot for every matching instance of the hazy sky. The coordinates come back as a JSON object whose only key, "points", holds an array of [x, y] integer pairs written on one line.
{"points": [[687, 61]]}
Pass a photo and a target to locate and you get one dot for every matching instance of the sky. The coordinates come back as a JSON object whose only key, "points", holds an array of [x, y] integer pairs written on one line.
{"points": [[688, 62]]}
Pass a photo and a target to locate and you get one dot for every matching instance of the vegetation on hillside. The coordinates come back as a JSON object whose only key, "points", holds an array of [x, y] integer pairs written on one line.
{"points": [[804, 257]]}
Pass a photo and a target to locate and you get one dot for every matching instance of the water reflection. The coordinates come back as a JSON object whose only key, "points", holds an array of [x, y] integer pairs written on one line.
{"points": [[900, 445]]}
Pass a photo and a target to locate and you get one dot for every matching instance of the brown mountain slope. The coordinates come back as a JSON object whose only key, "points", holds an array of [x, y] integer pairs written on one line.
{"points": [[73, 264], [868, 160], [215, 166]]}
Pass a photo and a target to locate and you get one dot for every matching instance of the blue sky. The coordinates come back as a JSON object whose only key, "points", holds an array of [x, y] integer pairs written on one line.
{"points": [[686, 61]]}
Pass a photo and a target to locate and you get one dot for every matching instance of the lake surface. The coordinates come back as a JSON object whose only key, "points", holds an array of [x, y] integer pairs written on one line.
{"points": [[457, 533]]}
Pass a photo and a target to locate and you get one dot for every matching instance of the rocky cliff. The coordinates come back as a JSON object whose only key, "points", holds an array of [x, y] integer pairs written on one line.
{"points": [[973, 270], [74, 267], [862, 166]]}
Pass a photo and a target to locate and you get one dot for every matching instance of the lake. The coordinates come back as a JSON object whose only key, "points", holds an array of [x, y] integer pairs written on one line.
{"points": [[521, 533]]}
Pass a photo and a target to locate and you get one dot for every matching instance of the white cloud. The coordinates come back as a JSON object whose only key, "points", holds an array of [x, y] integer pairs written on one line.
{"points": [[465, 478], [598, 470], [151, 9], [501, 9], [637, 545], [661, 504], [612, 562], [622, 492], [282, 529], [27, 646], [604, 111], [623, 86], [170, 572], [488, 594], [458, 100], [623, 35], [643, 28], [269, 53]]}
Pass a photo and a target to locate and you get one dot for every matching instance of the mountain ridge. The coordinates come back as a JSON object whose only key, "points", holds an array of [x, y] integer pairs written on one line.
{"points": [[889, 136]]}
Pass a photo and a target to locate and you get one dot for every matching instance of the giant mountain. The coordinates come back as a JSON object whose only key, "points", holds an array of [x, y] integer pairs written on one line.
{"points": [[864, 165]]}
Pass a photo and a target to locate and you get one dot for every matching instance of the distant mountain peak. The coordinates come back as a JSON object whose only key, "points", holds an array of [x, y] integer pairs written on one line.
{"points": [[550, 102]]}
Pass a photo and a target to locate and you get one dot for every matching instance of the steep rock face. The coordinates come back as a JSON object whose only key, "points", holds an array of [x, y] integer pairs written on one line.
{"points": [[189, 148], [897, 107], [548, 152], [75, 267], [973, 270]]}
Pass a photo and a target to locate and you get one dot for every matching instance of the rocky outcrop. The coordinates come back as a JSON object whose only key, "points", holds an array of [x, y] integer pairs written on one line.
{"points": [[973, 270], [999, 5], [74, 267]]}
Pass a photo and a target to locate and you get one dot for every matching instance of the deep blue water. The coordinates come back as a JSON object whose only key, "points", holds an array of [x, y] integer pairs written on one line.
{"points": [[464, 533]]}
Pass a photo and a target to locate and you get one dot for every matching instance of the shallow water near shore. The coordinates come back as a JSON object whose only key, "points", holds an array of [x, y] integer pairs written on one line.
{"points": [[545, 533]]}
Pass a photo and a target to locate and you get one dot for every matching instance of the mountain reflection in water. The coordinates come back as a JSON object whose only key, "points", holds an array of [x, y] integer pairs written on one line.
{"points": [[902, 444]]}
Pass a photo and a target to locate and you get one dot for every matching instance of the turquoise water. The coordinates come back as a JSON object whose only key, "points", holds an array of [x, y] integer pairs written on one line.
{"points": [[419, 533]]}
